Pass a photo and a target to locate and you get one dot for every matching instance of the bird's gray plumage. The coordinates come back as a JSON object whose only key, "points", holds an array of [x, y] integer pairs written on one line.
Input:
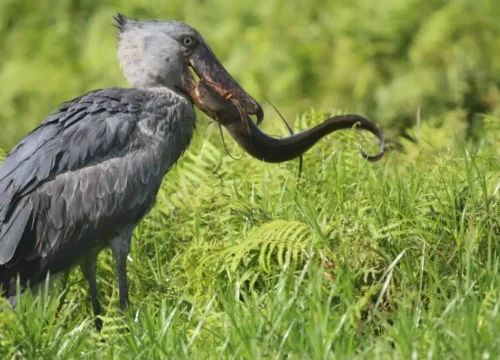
{"points": [[151, 52], [89, 173], [85, 175]]}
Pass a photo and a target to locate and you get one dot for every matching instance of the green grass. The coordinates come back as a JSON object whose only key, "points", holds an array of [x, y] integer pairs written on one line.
{"points": [[396, 259]]}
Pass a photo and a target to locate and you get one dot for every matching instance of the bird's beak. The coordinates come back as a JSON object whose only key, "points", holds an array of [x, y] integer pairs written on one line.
{"points": [[208, 68]]}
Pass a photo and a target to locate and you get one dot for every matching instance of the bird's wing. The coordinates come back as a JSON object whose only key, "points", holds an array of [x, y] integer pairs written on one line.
{"points": [[75, 157]]}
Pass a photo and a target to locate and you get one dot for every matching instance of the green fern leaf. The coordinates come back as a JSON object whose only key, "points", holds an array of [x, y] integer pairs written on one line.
{"points": [[281, 240]]}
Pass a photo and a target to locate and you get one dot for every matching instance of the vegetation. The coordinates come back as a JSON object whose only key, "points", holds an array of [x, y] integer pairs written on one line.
{"points": [[395, 259], [387, 59]]}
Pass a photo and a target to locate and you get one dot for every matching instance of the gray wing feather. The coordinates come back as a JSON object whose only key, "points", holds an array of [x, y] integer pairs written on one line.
{"points": [[12, 232], [97, 202], [83, 133]]}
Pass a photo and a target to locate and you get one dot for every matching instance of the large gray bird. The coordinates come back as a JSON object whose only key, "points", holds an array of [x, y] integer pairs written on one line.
{"points": [[85, 177]]}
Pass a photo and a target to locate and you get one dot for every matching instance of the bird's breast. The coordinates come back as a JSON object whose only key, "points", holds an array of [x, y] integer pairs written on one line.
{"points": [[167, 131]]}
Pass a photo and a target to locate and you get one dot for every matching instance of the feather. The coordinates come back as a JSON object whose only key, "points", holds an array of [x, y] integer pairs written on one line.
{"points": [[70, 186], [12, 231], [84, 175]]}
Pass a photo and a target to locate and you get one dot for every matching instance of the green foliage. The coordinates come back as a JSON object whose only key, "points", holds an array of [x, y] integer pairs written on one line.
{"points": [[3, 153], [278, 240], [238, 259], [390, 60]]}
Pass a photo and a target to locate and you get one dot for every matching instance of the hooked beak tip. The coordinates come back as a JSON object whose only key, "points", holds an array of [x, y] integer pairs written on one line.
{"points": [[260, 115]]}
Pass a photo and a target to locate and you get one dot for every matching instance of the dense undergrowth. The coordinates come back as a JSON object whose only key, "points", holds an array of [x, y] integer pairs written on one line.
{"points": [[396, 259]]}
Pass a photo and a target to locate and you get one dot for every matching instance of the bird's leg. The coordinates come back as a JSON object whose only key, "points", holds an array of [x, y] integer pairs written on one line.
{"points": [[88, 268], [62, 298], [120, 246]]}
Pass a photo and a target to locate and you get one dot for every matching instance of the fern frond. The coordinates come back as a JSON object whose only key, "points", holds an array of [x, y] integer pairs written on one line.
{"points": [[281, 240]]}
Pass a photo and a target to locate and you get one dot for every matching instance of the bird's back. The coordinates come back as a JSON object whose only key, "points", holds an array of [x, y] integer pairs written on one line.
{"points": [[91, 170]]}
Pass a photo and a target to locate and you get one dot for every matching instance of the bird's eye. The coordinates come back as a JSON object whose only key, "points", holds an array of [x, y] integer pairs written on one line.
{"points": [[187, 41]]}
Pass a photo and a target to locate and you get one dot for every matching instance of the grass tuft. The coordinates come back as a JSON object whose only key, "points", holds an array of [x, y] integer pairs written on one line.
{"points": [[398, 258]]}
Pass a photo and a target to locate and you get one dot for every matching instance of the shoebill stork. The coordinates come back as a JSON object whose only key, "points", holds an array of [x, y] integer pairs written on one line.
{"points": [[84, 178]]}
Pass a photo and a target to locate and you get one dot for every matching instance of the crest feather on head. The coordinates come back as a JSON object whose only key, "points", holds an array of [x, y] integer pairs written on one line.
{"points": [[121, 22]]}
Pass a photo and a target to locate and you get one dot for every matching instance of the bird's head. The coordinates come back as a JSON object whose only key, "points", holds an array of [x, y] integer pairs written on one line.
{"points": [[161, 53]]}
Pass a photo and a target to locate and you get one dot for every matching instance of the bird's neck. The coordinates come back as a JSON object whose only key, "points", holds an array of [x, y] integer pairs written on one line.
{"points": [[166, 93], [167, 126]]}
